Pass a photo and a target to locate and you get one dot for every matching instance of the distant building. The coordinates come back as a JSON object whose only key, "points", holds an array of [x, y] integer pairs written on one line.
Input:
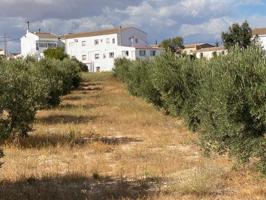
{"points": [[210, 52], [191, 49], [35, 43], [260, 33], [99, 49], [203, 50]]}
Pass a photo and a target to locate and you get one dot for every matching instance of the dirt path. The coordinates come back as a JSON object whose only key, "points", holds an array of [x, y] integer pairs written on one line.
{"points": [[102, 143]]}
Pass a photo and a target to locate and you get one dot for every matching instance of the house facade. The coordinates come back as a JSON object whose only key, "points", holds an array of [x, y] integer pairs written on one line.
{"points": [[191, 49], [210, 52], [260, 33], [99, 49], [35, 43]]}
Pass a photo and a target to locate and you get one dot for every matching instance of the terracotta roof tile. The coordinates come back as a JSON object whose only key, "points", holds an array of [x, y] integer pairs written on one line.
{"points": [[259, 31], [95, 33]]}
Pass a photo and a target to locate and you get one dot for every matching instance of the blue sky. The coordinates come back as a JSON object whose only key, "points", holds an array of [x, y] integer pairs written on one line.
{"points": [[194, 20]]}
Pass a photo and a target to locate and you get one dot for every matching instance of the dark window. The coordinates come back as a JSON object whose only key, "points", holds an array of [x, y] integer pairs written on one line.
{"points": [[111, 55], [153, 53], [142, 53]]}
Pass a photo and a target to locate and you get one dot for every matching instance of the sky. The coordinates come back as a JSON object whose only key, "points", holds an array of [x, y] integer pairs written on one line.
{"points": [[194, 20]]}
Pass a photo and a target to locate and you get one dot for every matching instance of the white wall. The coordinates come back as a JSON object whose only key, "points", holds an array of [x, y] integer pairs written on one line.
{"points": [[209, 54], [98, 55], [28, 44], [262, 39], [2, 52]]}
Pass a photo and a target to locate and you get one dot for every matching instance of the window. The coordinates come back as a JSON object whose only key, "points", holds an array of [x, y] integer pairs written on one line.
{"points": [[76, 40], [214, 54], [52, 45], [83, 43], [222, 52], [153, 53], [84, 57], [111, 55], [107, 40], [125, 53], [113, 40], [104, 56], [201, 55], [42, 45], [136, 40], [97, 56], [142, 53], [98, 69], [96, 42]]}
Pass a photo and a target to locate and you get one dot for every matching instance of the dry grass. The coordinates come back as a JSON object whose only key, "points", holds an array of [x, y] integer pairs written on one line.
{"points": [[102, 143]]}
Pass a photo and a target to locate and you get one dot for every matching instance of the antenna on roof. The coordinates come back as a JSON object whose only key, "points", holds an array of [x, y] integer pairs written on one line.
{"points": [[28, 26]]}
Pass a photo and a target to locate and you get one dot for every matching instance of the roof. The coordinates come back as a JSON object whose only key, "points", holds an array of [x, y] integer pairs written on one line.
{"points": [[259, 31], [96, 33], [44, 35], [211, 49], [197, 45]]}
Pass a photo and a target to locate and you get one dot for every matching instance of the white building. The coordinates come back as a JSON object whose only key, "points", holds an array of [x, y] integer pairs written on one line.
{"points": [[260, 33], [34, 43], [210, 52], [99, 49], [2, 52], [191, 49]]}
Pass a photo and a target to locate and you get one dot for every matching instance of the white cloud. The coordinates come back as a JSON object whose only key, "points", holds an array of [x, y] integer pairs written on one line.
{"points": [[159, 18]]}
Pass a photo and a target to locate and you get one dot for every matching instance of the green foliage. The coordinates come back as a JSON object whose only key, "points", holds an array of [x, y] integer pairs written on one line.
{"points": [[27, 86], [22, 93], [83, 67], [173, 44], [224, 98], [237, 35], [55, 53]]}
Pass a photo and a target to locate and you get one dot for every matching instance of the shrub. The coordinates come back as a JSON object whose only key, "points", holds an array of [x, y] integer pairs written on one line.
{"points": [[55, 53], [27, 86], [224, 98], [233, 111], [21, 95]]}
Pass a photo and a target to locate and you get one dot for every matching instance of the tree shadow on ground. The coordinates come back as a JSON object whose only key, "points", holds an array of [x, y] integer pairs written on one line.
{"points": [[73, 107], [72, 98], [65, 119], [90, 87], [69, 139], [76, 186]]}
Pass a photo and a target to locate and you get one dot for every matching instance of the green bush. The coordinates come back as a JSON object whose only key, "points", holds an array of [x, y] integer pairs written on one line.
{"points": [[55, 53], [22, 93], [27, 86], [224, 98], [232, 105]]}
